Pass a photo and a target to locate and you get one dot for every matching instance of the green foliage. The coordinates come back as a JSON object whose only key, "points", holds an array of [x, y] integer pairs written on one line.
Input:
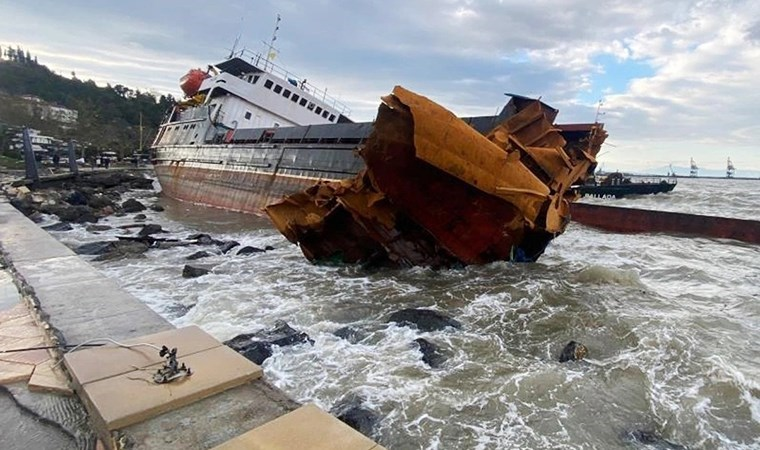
{"points": [[109, 117]]}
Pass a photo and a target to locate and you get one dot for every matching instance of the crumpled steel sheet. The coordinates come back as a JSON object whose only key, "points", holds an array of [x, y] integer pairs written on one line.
{"points": [[436, 192]]}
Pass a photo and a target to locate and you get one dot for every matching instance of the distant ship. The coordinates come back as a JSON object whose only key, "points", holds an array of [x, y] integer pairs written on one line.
{"points": [[618, 185], [694, 170], [730, 169]]}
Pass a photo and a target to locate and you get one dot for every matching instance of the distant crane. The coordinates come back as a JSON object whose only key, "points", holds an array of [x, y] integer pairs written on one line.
{"points": [[730, 169], [694, 170]]}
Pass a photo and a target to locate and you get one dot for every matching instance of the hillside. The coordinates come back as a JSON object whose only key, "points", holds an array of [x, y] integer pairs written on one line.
{"points": [[108, 117]]}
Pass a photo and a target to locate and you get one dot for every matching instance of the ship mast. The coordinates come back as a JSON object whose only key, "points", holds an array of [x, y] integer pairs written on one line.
{"points": [[271, 50]]}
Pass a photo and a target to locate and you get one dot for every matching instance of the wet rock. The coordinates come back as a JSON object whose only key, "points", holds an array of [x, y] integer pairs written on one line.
{"points": [[157, 208], [268, 247], [431, 355], [257, 347], [140, 217], [132, 205], [350, 410], [124, 249], [203, 239], [60, 226], [424, 319], [94, 248], [247, 250], [573, 351], [177, 310], [193, 272], [350, 334], [100, 201], [24, 204], [97, 228], [149, 229], [651, 440], [199, 255], [226, 246], [36, 217], [71, 213], [76, 198]]}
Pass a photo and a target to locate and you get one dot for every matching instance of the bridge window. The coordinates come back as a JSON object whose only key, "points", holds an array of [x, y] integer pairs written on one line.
{"points": [[332, 118], [311, 106], [247, 115], [325, 113], [268, 84], [277, 89], [294, 98], [255, 79], [302, 102], [319, 110], [286, 93]]}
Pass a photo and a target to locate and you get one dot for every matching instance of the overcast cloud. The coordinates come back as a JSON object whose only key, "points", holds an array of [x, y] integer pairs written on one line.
{"points": [[677, 78]]}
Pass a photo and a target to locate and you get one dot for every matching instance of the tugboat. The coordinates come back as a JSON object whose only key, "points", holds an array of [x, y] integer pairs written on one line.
{"points": [[618, 185]]}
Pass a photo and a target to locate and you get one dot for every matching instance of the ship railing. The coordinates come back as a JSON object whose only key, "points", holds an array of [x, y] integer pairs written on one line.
{"points": [[263, 63]]}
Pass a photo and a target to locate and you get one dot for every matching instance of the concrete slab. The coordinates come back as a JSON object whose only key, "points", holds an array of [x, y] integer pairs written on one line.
{"points": [[13, 372], [307, 427], [17, 310], [47, 378], [9, 295], [57, 271], [130, 398], [97, 363]]}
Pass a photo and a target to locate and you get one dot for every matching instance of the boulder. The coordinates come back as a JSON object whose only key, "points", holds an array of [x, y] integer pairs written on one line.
{"points": [[226, 246], [149, 229], [247, 250], [132, 205], [257, 347], [96, 228], [36, 217], [76, 198], [423, 319], [203, 239], [24, 204], [72, 213], [199, 255], [94, 248], [431, 355], [651, 439], [350, 334], [193, 272], [60, 226], [350, 410], [573, 351], [123, 249], [268, 247], [157, 208], [177, 310], [100, 201], [140, 217]]}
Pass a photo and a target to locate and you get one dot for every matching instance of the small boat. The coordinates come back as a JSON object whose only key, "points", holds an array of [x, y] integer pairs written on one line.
{"points": [[618, 185]]}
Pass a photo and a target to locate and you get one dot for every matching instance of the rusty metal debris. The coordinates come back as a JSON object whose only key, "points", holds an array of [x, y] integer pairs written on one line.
{"points": [[436, 192]]}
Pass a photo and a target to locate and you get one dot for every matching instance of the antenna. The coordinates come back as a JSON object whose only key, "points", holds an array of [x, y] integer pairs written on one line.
{"points": [[599, 111], [272, 51], [234, 47]]}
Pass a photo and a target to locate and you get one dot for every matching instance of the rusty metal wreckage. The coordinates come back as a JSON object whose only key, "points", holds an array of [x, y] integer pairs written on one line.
{"points": [[436, 192]]}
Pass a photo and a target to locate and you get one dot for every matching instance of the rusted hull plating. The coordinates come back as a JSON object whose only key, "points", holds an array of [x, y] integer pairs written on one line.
{"points": [[630, 220], [436, 192]]}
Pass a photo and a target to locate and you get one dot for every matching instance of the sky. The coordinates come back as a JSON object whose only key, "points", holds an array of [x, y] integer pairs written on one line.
{"points": [[671, 80]]}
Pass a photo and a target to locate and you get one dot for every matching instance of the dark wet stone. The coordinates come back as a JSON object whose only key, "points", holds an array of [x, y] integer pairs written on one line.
{"points": [[157, 208], [247, 250], [140, 217], [350, 410], [199, 255], [651, 440], [268, 247], [193, 272], [424, 319], [36, 217], [204, 239], [431, 355], [350, 334], [177, 310], [132, 205], [94, 248], [124, 249], [72, 213], [76, 198], [95, 228], [100, 202], [60, 226], [226, 246], [573, 351], [149, 229], [257, 346], [25, 205]]}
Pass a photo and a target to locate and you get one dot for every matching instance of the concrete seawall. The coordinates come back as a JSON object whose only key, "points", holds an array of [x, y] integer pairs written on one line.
{"points": [[78, 303]]}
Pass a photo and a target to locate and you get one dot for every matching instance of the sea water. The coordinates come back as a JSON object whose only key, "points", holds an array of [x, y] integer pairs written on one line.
{"points": [[671, 323]]}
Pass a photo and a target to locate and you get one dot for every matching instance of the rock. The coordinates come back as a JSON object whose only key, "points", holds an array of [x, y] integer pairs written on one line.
{"points": [[227, 246], [100, 201], [36, 217], [651, 440], [107, 211], [424, 319], [157, 208], [268, 247], [257, 347], [199, 255], [72, 213], [350, 334], [203, 239], [431, 355], [351, 410], [76, 198], [24, 204], [573, 351], [149, 229], [132, 205], [123, 249], [177, 310], [94, 248], [96, 228], [140, 217], [60, 226], [193, 272], [247, 250]]}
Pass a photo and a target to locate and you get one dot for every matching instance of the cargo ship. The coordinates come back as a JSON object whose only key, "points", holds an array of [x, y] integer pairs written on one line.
{"points": [[249, 133]]}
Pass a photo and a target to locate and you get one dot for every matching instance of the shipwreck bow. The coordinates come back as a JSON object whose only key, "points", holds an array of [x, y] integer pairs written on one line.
{"points": [[437, 192]]}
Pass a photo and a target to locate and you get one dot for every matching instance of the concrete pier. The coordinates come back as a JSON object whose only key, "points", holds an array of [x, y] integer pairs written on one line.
{"points": [[75, 303]]}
